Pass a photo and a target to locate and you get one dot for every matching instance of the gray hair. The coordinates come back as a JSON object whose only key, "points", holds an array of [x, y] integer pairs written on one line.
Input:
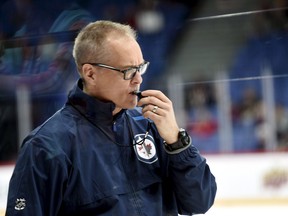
{"points": [[91, 40]]}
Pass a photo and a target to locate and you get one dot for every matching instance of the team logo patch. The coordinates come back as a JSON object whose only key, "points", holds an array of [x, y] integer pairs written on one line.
{"points": [[145, 152], [20, 204]]}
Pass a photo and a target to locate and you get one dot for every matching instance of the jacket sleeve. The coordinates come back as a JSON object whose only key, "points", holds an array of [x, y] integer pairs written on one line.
{"points": [[193, 183], [37, 182]]}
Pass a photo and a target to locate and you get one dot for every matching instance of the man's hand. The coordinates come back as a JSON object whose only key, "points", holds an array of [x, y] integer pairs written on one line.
{"points": [[159, 109]]}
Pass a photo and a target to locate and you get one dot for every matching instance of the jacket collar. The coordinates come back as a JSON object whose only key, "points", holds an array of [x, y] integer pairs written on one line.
{"points": [[89, 106]]}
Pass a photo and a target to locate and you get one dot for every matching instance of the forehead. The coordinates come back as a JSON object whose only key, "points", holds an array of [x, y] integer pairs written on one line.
{"points": [[125, 50]]}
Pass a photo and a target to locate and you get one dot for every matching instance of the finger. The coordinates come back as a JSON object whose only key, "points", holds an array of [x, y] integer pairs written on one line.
{"points": [[157, 94], [151, 100], [154, 109]]}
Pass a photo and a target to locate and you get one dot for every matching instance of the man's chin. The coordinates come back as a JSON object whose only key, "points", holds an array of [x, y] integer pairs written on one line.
{"points": [[132, 105]]}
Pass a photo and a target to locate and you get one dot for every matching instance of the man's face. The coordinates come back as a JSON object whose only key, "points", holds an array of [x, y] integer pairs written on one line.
{"points": [[109, 84]]}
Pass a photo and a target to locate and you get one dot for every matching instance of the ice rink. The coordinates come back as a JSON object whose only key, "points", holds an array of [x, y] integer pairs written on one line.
{"points": [[275, 210]]}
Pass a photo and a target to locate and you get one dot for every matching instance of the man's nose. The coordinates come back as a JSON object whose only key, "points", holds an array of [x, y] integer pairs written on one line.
{"points": [[137, 79]]}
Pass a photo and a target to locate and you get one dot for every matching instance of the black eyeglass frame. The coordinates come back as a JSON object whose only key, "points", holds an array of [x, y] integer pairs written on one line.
{"points": [[138, 68]]}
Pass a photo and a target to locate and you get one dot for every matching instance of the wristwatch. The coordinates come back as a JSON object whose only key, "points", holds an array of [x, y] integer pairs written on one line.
{"points": [[182, 142]]}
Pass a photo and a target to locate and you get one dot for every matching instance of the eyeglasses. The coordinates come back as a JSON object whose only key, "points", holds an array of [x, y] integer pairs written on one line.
{"points": [[129, 73]]}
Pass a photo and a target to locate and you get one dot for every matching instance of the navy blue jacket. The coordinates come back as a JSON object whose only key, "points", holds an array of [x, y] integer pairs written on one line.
{"points": [[82, 162]]}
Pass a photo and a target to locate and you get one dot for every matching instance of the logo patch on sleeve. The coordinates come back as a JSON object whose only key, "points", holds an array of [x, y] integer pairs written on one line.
{"points": [[20, 204]]}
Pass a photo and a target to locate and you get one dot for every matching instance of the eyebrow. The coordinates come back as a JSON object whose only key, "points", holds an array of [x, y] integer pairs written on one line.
{"points": [[135, 65]]}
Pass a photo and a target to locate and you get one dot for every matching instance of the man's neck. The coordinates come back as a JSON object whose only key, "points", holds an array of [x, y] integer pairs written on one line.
{"points": [[116, 110]]}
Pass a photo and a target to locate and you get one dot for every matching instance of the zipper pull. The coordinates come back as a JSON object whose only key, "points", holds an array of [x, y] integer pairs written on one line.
{"points": [[114, 126]]}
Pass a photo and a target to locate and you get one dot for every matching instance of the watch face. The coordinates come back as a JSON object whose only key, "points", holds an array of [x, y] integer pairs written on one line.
{"points": [[183, 135], [181, 130]]}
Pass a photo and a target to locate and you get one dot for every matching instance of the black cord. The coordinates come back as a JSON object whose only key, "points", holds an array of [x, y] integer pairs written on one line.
{"points": [[140, 142]]}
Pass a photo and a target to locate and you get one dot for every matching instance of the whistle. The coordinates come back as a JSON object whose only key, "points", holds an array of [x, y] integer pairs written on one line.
{"points": [[138, 93]]}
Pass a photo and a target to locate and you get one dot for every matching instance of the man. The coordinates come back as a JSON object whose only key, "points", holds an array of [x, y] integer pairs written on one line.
{"points": [[99, 155]]}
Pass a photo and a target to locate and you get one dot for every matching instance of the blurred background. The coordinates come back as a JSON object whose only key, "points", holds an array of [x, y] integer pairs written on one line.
{"points": [[223, 63]]}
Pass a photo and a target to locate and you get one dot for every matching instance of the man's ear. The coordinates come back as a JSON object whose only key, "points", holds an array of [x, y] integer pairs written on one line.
{"points": [[88, 73]]}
